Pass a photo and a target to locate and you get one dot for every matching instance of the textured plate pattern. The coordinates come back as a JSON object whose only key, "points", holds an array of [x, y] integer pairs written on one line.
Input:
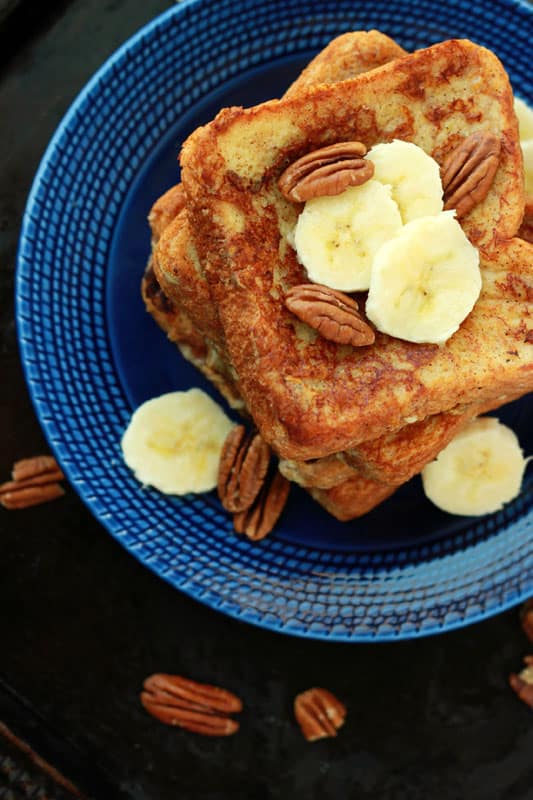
{"points": [[92, 163]]}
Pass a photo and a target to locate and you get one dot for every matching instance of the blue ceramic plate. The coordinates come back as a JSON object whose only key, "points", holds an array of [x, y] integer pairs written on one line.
{"points": [[92, 354]]}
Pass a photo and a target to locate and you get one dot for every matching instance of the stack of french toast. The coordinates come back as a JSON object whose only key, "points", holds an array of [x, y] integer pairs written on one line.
{"points": [[350, 424]]}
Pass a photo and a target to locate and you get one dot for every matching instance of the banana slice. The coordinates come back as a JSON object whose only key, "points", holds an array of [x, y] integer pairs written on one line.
{"points": [[527, 152], [525, 118], [413, 175], [425, 281], [481, 469], [173, 442], [337, 237]]}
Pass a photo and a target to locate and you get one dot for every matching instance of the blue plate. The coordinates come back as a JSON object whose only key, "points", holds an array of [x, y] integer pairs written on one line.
{"points": [[92, 354]]}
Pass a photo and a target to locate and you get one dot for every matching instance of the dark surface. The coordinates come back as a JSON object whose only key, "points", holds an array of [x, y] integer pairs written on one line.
{"points": [[83, 623]]}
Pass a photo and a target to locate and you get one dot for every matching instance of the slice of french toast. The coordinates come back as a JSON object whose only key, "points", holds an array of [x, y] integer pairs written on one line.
{"points": [[311, 398]]}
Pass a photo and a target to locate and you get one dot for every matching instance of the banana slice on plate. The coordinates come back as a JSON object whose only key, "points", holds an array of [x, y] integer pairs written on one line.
{"points": [[173, 442], [425, 281], [413, 175], [525, 118], [478, 472], [336, 238]]}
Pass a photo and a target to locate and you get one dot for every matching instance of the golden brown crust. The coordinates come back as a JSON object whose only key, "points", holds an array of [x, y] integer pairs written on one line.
{"points": [[179, 274], [311, 399], [345, 57], [165, 209], [353, 498]]}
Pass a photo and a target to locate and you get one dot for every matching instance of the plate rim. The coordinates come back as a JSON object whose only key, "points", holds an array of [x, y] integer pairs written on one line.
{"points": [[143, 33]]}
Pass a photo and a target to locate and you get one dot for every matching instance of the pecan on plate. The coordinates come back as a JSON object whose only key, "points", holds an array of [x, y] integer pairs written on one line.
{"points": [[196, 707], [522, 684], [259, 519], [333, 314], [243, 465], [318, 713], [526, 617], [34, 481], [468, 171], [327, 171]]}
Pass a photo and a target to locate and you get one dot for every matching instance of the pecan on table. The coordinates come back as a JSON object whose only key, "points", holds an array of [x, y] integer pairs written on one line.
{"points": [[34, 481], [319, 713], [259, 519], [522, 684], [243, 465], [468, 171], [327, 171], [332, 313], [196, 707]]}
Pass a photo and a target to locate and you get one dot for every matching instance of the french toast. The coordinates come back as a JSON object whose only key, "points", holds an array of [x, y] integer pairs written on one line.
{"points": [[347, 483], [311, 398]]}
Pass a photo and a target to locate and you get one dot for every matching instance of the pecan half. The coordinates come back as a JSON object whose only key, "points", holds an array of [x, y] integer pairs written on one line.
{"points": [[526, 617], [319, 713], [196, 707], [333, 314], [34, 481], [468, 171], [35, 467], [243, 465], [259, 519], [522, 684], [327, 171]]}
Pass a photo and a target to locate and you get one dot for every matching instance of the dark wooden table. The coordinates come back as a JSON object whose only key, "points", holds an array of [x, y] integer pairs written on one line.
{"points": [[83, 623]]}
